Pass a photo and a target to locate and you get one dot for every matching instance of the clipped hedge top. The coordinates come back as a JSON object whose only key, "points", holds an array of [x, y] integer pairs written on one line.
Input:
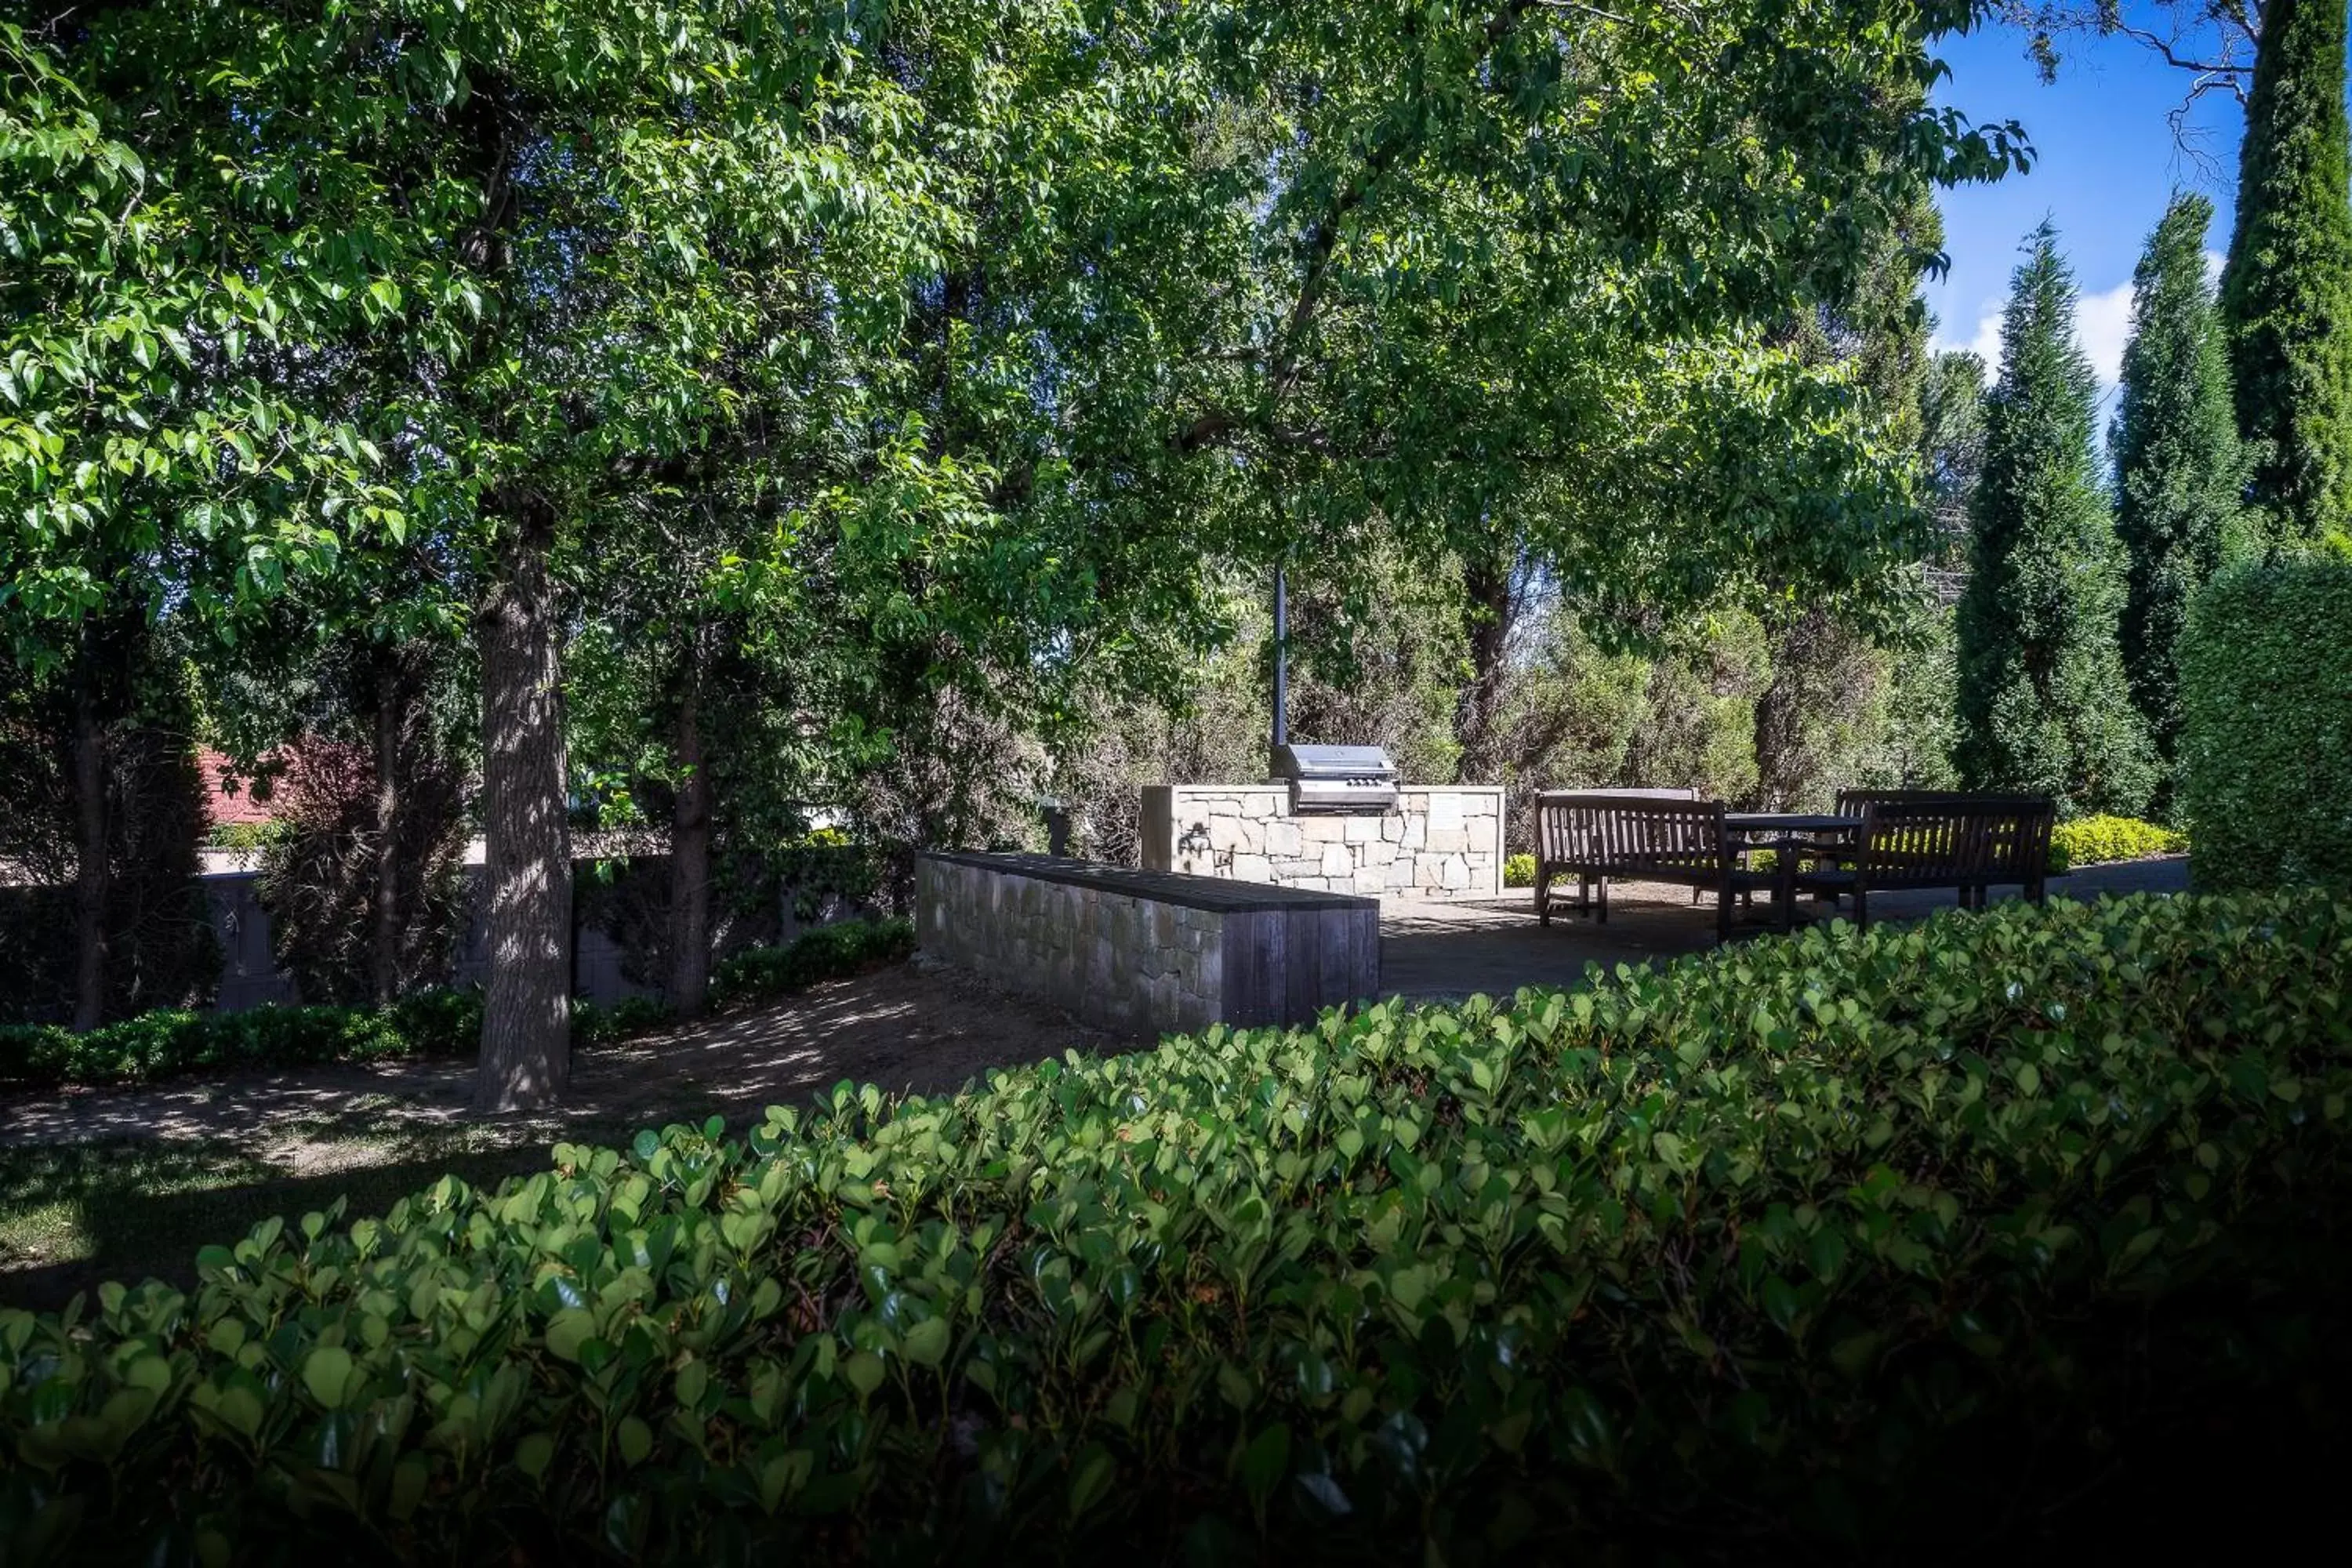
{"points": [[1779, 1233]]}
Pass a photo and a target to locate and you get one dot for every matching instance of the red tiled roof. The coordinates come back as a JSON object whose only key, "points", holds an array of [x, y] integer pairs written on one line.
{"points": [[229, 796]]}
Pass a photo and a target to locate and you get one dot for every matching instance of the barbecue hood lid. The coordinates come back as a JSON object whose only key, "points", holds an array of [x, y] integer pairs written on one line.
{"points": [[1333, 762]]}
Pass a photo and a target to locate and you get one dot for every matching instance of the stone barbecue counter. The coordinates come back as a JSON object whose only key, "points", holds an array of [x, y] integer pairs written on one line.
{"points": [[1147, 952], [1438, 843]]}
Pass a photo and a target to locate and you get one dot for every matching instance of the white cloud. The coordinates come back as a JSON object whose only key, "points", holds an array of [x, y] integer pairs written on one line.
{"points": [[1985, 343], [2102, 325], [2215, 264]]}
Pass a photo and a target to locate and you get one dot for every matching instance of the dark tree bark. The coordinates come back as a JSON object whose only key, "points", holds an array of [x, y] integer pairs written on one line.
{"points": [[690, 850], [385, 939], [93, 878], [1778, 717], [527, 1012], [101, 686], [1490, 592]]}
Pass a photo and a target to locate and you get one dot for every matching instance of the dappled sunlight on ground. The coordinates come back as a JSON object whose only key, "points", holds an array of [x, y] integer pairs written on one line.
{"points": [[98, 1184], [122, 1183], [905, 1028]]}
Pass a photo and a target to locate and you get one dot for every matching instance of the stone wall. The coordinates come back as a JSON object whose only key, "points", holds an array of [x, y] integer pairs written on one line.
{"points": [[1440, 843], [1143, 953]]}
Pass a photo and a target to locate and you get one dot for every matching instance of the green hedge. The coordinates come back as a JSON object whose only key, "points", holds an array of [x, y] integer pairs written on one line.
{"points": [[168, 1044], [1825, 1246], [824, 954], [2265, 751], [2102, 840], [432, 1023], [1519, 871]]}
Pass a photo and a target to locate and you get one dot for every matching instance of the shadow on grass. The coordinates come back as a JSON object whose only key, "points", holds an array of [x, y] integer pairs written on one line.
{"points": [[81, 1214]]}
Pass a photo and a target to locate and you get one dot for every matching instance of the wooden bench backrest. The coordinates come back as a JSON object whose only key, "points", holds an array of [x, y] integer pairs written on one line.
{"points": [[1557, 830], [1850, 802], [1935, 843], [1614, 793], [2017, 845], [1606, 831]]}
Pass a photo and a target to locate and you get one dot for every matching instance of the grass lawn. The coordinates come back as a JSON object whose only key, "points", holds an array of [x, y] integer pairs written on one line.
{"points": [[73, 1215]]}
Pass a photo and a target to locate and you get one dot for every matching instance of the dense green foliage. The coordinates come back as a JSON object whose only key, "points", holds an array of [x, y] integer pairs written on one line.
{"points": [[1519, 871], [2099, 840], [100, 780], [2286, 297], [2180, 471], [2266, 732], [837, 391], [159, 1045], [1787, 1238], [170, 1043], [247, 836], [2043, 705], [825, 953]]}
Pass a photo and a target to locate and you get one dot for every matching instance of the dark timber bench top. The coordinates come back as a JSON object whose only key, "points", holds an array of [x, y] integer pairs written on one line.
{"points": [[1213, 895]]}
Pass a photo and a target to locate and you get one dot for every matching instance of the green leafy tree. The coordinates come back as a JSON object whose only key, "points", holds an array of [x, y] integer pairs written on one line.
{"points": [[2286, 297], [149, 465], [531, 234], [1951, 449], [1454, 322], [1819, 719], [2043, 704], [2179, 469], [1021, 312]]}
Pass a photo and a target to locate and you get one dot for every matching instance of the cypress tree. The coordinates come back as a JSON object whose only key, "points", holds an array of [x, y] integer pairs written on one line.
{"points": [[2179, 469], [2286, 298], [2043, 705]]}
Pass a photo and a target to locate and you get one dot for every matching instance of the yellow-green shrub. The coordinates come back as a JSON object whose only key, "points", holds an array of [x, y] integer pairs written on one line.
{"points": [[2098, 840]]}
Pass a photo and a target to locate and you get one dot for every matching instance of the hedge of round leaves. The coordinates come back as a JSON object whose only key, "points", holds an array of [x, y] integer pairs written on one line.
{"points": [[1742, 1255]]}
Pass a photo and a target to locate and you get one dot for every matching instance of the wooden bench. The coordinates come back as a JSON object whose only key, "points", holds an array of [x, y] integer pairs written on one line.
{"points": [[1554, 848], [1646, 837], [2022, 856], [1923, 839]]}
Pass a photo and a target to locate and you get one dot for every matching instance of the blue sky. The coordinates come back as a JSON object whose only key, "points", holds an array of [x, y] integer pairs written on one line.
{"points": [[2108, 165]]}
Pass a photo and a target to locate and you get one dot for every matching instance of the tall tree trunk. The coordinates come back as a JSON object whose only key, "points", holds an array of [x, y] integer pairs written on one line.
{"points": [[527, 1012], [391, 714], [93, 876], [1779, 716], [690, 850], [1490, 606]]}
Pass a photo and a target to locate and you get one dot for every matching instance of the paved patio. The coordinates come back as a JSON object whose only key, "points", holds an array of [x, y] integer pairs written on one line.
{"points": [[1496, 947]]}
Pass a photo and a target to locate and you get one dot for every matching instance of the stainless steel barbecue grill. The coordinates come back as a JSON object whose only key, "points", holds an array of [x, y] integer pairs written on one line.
{"points": [[1338, 778]]}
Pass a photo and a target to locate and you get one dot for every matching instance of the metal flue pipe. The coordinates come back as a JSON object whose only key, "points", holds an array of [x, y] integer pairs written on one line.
{"points": [[1281, 664]]}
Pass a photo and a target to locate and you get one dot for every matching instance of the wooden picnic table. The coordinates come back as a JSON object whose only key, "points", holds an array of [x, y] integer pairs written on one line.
{"points": [[1789, 834]]}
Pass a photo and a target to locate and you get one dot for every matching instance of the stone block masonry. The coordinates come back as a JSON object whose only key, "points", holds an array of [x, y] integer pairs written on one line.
{"points": [[1147, 953], [1440, 843]]}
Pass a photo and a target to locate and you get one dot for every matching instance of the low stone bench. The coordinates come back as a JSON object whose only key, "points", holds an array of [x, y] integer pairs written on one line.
{"points": [[1147, 952]]}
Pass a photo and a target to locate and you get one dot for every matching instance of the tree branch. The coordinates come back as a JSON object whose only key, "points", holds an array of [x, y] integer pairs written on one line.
{"points": [[1595, 12]]}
